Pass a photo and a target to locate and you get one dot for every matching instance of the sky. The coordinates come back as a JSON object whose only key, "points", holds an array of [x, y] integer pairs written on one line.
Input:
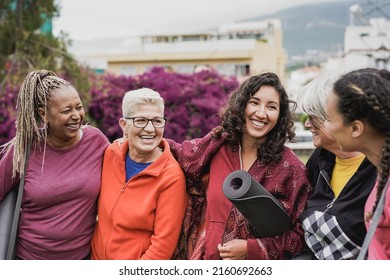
{"points": [[88, 19]]}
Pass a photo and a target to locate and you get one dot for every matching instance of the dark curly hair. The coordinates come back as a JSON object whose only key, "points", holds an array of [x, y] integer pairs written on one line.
{"points": [[233, 120], [364, 95]]}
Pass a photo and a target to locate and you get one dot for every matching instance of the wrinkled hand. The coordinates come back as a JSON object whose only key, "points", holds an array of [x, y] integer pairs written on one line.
{"points": [[233, 250]]}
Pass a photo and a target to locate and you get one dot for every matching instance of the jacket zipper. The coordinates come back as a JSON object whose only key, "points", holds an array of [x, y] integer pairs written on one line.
{"points": [[116, 203], [111, 214], [326, 178]]}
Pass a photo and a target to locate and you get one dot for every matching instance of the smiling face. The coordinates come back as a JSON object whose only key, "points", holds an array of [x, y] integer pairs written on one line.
{"points": [[261, 114], [321, 136], [336, 125], [143, 142], [64, 117]]}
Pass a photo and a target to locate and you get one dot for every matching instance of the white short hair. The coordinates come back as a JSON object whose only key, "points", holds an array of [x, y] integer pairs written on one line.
{"points": [[142, 96], [315, 93]]}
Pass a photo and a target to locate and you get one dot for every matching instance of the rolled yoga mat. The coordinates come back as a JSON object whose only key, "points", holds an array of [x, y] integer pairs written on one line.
{"points": [[262, 210]]}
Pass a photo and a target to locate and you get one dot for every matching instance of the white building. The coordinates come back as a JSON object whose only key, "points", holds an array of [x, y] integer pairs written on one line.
{"points": [[239, 49], [366, 44]]}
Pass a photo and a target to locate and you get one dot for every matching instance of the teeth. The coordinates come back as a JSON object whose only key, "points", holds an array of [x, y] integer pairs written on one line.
{"points": [[147, 137], [74, 126], [257, 123]]}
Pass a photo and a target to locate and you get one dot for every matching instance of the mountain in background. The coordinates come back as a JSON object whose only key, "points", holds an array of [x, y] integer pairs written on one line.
{"points": [[321, 26]]}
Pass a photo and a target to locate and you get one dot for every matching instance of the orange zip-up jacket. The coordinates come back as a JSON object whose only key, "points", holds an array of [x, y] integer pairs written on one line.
{"points": [[141, 218]]}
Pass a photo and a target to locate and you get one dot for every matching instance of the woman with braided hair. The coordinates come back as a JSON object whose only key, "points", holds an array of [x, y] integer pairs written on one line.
{"points": [[358, 111], [63, 170]]}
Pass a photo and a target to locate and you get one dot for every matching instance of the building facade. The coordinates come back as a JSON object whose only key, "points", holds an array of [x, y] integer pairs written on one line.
{"points": [[366, 43], [239, 49]]}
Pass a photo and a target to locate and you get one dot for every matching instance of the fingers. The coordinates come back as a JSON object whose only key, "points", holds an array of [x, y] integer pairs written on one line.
{"points": [[224, 246], [221, 247], [224, 252], [233, 250]]}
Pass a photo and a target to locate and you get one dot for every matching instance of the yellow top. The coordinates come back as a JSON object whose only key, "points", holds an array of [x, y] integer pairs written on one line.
{"points": [[343, 171]]}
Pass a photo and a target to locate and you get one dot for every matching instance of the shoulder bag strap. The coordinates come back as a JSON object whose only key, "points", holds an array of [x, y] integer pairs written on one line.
{"points": [[374, 224], [15, 222]]}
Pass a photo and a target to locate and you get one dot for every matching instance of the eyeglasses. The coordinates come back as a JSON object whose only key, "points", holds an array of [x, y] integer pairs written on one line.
{"points": [[142, 122]]}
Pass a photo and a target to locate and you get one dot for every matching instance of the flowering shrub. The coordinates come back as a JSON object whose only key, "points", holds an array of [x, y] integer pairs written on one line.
{"points": [[105, 107], [192, 101], [8, 113]]}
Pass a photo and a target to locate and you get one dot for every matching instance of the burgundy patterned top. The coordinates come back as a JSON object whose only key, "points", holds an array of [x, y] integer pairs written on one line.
{"points": [[211, 219]]}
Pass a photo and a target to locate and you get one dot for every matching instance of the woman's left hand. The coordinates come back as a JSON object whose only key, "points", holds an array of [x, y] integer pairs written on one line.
{"points": [[233, 250]]}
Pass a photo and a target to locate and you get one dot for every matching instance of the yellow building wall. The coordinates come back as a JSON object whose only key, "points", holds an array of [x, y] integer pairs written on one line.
{"points": [[265, 56], [270, 57]]}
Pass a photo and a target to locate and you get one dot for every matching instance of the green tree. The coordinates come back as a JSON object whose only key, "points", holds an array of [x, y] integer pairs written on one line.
{"points": [[25, 45]]}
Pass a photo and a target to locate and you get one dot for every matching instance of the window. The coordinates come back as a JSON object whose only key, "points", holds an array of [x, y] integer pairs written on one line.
{"points": [[242, 70], [128, 70]]}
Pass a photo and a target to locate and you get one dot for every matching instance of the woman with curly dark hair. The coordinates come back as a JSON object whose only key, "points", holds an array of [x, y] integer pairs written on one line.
{"points": [[255, 125]]}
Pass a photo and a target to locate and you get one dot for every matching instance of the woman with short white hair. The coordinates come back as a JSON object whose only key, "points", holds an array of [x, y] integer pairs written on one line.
{"points": [[143, 197]]}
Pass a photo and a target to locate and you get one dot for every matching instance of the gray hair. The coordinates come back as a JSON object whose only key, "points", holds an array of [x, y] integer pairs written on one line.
{"points": [[142, 96], [315, 93]]}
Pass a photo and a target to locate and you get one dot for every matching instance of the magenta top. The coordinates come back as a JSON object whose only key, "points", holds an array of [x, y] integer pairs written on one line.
{"points": [[59, 201], [379, 248]]}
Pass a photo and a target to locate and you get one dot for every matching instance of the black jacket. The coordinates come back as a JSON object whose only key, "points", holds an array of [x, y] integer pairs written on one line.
{"points": [[336, 218]]}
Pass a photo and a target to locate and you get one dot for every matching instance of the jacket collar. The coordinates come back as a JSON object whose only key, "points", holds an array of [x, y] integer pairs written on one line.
{"points": [[327, 161], [120, 150]]}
